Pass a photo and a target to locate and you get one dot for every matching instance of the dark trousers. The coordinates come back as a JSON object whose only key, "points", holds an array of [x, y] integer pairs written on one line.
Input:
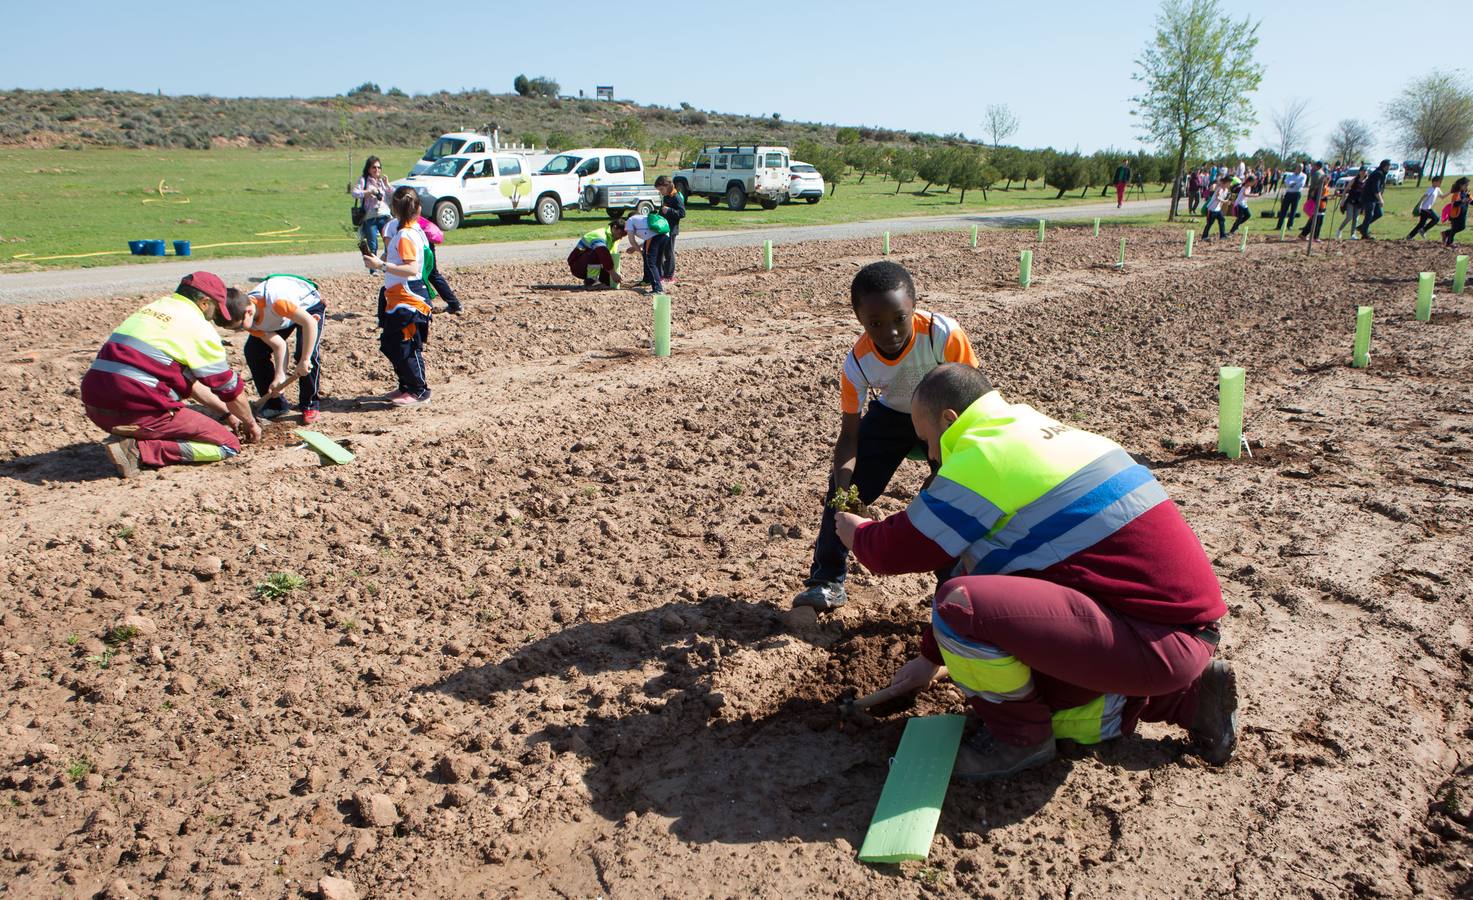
{"points": [[442, 287], [1426, 218], [654, 272], [1373, 211], [1215, 215], [1288, 207], [885, 438], [1455, 225], [172, 438], [1242, 216], [1193, 199], [404, 348], [1316, 221], [666, 256], [580, 260], [263, 369]]}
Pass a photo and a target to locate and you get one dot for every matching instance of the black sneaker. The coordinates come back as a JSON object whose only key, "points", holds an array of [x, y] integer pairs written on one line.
{"points": [[454, 310], [271, 413], [823, 596], [984, 758], [1215, 724]]}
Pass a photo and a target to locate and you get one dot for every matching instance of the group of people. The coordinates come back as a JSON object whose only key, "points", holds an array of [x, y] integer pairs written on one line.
{"points": [[1073, 598], [595, 258]]}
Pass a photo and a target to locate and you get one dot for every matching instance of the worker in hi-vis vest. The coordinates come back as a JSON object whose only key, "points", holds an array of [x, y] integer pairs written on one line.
{"points": [[1081, 601]]}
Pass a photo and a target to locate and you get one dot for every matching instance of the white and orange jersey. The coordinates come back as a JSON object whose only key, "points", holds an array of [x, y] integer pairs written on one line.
{"points": [[405, 247], [276, 298], [936, 339]]}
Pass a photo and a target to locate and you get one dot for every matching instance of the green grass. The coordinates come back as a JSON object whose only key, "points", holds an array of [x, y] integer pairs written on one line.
{"points": [[279, 585], [83, 206]]}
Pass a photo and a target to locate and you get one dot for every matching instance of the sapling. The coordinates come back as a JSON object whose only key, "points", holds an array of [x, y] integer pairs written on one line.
{"points": [[846, 500]]}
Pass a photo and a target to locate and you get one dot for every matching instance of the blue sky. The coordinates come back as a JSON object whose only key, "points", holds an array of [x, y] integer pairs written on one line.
{"points": [[1063, 67]]}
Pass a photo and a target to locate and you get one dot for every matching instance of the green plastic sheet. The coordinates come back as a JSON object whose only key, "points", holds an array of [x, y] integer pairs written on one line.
{"points": [[910, 803]]}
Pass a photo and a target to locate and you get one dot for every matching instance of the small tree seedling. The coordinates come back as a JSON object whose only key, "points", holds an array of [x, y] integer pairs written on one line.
{"points": [[279, 585], [116, 637], [79, 769], [846, 500]]}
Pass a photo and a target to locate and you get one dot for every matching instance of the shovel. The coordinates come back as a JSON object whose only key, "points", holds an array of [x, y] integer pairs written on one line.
{"points": [[852, 709], [273, 393]]}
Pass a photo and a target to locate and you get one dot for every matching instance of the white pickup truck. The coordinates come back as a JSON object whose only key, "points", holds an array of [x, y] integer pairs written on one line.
{"points": [[464, 143], [505, 184], [736, 172]]}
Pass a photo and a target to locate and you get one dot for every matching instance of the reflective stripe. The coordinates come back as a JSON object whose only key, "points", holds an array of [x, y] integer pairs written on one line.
{"points": [[981, 669], [1066, 492], [127, 371], [229, 386], [930, 525], [142, 346], [198, 373], [1096, 515], [1092, 722], [953, 515]]}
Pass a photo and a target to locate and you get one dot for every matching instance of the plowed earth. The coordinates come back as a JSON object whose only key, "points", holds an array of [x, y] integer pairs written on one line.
{"points": [[540, 646]]}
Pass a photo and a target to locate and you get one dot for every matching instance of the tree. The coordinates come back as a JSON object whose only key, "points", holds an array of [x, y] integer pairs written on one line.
{"points": [[1011, 164], [971, 170], [1291, 122], [367, 87], [903, 165], [559, 140], [829, 161], [1000, 123], [627, 132], [1350, 140], [1433, 114], [932, 166], [1066, 171], [864, 158], [521, 85], [1034, 165], [1197, 72], [531, 139], [847, 136], [542, 86]]}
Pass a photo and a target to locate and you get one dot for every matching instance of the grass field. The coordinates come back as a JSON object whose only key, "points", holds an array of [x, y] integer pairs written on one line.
{"points": [[70, 208]]}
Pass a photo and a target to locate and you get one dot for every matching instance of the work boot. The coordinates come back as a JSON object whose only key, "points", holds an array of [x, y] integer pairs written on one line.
{"points": [[124, 454], [1215, 724], [823, 596], [984, 758]]}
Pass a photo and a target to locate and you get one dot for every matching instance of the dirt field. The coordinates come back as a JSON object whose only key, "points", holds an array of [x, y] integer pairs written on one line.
{"points": [[540, 649]]}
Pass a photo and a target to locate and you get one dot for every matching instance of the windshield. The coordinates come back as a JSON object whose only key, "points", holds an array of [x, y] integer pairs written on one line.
{"points": [[561, 164], [443, 148], [450, 165]]}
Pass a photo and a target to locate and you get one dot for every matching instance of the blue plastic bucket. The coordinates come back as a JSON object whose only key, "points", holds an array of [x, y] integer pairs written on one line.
{"points": [[181, 248], [138, 248], [156, 248]]}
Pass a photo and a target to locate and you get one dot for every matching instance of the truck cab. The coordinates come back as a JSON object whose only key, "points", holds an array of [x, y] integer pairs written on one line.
{"points": [[736, 172], [462, 143]]}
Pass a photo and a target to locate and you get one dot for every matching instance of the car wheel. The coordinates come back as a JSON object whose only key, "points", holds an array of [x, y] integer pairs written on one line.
{"points": [[813, 199], [768, 204], [736, 198], [644, 208], [549, 210], [447, 215], [682, 187]]}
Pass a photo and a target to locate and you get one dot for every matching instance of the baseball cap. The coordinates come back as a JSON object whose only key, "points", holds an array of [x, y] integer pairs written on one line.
{"points": [[209, 284]]}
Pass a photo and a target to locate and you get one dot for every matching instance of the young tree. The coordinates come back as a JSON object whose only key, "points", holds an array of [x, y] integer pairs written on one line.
{"points": [[1000, 123], [521, 85], [1066, 171], [864, 158], [903, 165], [542, 86], [830, 164], [1433, 114], [846, 136], [932, 167], [1291, 124], [971, 170], [559, 140], [1350, 140], [1197, 72], [627, 132], [1034, 167], [1010, 164]]}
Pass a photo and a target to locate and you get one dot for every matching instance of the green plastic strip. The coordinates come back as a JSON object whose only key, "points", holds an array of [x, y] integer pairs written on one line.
{"points": [[1041, 225], [1097, 226], [767, 255], [1190, 235], [662, 325], [330, 451], [1283, 230], [910, 803], [1121, 264], [1230, 411], [1362, 356], [1424, 296], [1460, 273], [974, 235], [1025, 267], [1243, 244], [887, 243]]}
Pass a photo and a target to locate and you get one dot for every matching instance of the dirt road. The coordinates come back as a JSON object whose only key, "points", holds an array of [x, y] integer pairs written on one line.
{"points": [[539, 649]]}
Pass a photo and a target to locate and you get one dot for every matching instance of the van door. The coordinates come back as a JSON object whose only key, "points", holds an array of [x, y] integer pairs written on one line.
{"points": [[514, 188], [623, 168], [700, 173], [480, 189], [718, 174]]}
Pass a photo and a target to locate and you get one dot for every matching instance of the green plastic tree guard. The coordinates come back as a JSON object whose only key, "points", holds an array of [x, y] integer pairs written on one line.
{"points": [[1097, 226], [1243, 244], [767, 255], [1424, 296], [905, 818], [1362, 356], [1041, 225], [1460, 273], [1025, 268], [1121, 264], [662, 325], [974, 236], [1190, 235], [887, 243], [1230, 411], [1283, 230]]}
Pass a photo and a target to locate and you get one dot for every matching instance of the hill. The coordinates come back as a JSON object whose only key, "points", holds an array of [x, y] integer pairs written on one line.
{"points": [[101, 118]]}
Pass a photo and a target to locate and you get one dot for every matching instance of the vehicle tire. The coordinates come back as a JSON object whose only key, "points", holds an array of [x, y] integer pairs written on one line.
{"points": [[813, 199], [447, 215], [644, 208], [736, 198], [549, 210], [590, 196], [768, 204], [683, 187]]}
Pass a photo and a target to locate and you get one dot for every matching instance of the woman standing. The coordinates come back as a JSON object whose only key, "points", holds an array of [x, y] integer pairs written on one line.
{"points": [[372, 192], [1352, 205], [1458, 198], [404, 301]]}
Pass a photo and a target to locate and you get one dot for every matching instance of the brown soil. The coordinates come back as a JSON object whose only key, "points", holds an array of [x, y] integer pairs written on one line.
{"points": [[541, 648]]}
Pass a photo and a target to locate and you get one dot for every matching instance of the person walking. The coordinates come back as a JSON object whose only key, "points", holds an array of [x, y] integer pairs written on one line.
{"points": [[1353, 204], [1293, 183], [1458, 198], [1373, 201], [1122, 181], [1195, 180], [1426, 209], [162, 355], [1241, 212], [372, 192], [404, 301], [1216, 203], [1319, 194]]}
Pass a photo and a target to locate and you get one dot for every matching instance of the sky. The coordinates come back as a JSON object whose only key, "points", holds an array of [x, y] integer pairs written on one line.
{"points": [[1064, 68]]}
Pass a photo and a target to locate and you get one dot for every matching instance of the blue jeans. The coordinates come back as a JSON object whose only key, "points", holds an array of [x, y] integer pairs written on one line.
{"points": [[1372, 213], [371, 229], [258, 359]]}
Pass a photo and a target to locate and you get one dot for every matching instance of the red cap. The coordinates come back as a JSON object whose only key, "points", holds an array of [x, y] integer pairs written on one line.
{"points": [[209, 284]]}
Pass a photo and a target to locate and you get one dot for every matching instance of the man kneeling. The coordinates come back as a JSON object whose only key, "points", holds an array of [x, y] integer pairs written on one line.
{"points": [[1087, 603]]}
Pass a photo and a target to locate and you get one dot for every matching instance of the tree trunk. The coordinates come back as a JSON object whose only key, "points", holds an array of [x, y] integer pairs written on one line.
{"points": [[984, 194], [1423, 171], [1086, 191], [1061, 193], [926, 188], [964, 197], [1025, 184], [861, 177], [1181, 162], [1443, 171], [833, 186], [1010, 185]]}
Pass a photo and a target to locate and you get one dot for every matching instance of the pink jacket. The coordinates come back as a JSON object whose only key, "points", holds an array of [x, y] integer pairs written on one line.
{"points": [[436, 236]]}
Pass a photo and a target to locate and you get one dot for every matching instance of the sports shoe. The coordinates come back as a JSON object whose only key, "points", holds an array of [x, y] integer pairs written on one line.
{"points": [[823, 596], [408, 399], [309, 416], [454, 309], [984, 758], [271, 413], [124, 454], [1215, 724], [391, 396]]}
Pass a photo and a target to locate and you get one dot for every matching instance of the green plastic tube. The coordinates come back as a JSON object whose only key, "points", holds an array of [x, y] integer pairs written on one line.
{"points": [[974, 236], [1041, 225], [767, 255], [1025, 268], [1283, 231], [1362, 356], [1460, 274], [1230, 411], [662, 325], [1097, 226], [887, 243], [1190, 235], [1243, 244], [1121, 264], [1424, 296]]}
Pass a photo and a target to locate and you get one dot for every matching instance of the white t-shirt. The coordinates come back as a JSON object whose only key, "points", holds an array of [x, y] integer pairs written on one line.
{"points": [[1294, 182], [1219, 197], [277, 298], [639, 228], [1430, 198]]}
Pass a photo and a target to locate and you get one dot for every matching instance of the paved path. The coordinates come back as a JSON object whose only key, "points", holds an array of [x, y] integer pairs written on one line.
{"points": [[68, 284]]}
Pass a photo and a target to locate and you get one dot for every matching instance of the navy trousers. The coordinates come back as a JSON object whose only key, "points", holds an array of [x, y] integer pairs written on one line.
{"points": [[263, 370]]}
